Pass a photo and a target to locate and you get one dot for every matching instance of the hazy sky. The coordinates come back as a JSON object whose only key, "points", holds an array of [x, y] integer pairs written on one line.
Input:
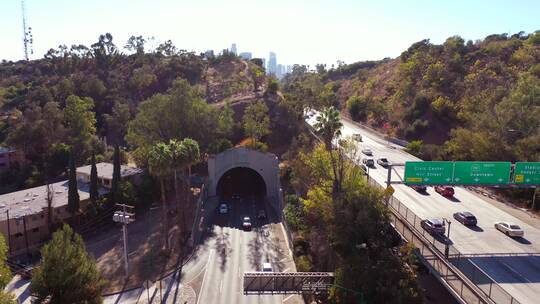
{"points": [[297, 31]]}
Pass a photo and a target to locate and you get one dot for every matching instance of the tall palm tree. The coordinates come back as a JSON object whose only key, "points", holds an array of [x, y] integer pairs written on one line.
{"points": [[191, 157], [328, 125], [178, 159], [160, 163]]}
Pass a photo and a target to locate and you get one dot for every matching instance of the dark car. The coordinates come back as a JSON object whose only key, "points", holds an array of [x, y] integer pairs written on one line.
{"points": [[433, 226], [419, 188], [466, 218], [445, 191]]}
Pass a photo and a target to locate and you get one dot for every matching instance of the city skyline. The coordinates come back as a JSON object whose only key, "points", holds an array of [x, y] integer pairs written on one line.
{"points": [[306, 34]]}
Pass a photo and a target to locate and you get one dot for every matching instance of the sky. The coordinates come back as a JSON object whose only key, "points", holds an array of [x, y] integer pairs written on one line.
{"points": [[298, 31]]}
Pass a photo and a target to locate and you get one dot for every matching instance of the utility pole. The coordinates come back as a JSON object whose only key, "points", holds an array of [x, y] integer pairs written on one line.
{"points": [[28, 39], [124, 218]]}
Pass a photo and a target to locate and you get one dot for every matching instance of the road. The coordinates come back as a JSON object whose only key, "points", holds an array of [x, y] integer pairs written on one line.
{"points": [[518, 275], [233, 250]]}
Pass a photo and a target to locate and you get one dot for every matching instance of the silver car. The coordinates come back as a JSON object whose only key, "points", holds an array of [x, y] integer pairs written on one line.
{"points": [[509, 229]]}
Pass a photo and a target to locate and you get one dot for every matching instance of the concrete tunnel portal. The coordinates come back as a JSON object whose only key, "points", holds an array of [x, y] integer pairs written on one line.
{"points": [[241, 181], [244, 172]]}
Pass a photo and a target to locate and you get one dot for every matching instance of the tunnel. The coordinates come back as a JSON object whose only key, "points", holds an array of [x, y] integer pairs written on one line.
{"points": [[241, 181]]}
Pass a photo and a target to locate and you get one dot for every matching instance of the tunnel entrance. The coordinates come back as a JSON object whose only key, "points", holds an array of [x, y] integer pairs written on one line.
{"points": [[241, 181]]}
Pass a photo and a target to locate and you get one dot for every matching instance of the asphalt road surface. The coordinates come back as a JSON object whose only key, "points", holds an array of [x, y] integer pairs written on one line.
{"points": [[518, 275], [233, 250]]}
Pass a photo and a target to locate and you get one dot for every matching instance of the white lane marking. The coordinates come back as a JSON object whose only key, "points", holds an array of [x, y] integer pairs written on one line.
{"points": [[287, 298], [514, 271], [220, 286], [204, 278]]}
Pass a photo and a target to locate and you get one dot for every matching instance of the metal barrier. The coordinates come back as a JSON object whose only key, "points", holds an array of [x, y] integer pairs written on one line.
{"points": [[461, 262]]}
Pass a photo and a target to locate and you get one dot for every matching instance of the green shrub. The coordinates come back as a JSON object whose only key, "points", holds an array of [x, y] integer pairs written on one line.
{"points": [[304, 264], [357, 107]]}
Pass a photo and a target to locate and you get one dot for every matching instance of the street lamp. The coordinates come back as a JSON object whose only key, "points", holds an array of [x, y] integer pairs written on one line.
{"points": [[124, 218], [446, 245]]}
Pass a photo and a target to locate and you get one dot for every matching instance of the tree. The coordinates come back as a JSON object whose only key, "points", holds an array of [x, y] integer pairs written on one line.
{"points": [[178, 160], [135, 44], [67, 273], [94, 192], [192, 157], [73, 189], [160, 163], [256, 121], [7, 298], [5, 273], [328, 125], [81, 124], [116, 177], [117, 122], [357, 107]]}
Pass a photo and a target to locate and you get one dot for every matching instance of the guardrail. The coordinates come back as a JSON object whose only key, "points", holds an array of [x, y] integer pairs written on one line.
{"points": [[473, 282]]}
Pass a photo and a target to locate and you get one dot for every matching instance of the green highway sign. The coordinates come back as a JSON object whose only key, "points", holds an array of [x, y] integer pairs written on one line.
{"points": [[428, 172], [482, 173], [527, 173]]}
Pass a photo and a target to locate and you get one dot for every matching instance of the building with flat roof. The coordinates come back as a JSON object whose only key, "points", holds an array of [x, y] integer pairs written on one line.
{"points": [[24, 214], [9, 157], [105, 173]]}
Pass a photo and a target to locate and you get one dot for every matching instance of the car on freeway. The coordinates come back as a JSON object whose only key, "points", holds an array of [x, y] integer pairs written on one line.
{"points": [[445, 191], [357, 137], [267, 267], [246, 222], [368, 162], [433, 226], [466, 218], [383, 162], [419, 188], [223, 208], [509, 229], [364, 168], [367, 151], [261, 215]]}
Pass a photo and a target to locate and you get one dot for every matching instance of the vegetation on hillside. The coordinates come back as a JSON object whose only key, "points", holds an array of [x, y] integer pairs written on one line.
{"points": [[464, 100]]}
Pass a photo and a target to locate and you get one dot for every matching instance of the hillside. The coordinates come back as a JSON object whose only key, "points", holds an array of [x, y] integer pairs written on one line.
{"points": [[464, 100], [86, 98]]}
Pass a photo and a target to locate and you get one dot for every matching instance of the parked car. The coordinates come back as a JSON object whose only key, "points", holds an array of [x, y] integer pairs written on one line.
{"points": [[466, 218], [419, 188], [509, 229], [433, 226], [357, 137], [445, 191], [383, 162], [246, 222], [261, 215], [267, 267], [223, 208], [367, 151], [368, 162]]}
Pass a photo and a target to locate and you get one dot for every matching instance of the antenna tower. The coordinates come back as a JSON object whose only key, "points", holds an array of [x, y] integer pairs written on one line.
{"points": [[28, 39]]}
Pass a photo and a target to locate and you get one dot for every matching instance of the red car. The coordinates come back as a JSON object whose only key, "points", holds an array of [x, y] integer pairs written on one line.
{"points": [[445, 191]]}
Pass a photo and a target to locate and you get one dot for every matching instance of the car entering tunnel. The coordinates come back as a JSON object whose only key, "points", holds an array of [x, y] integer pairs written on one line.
{"points": [[241, 182]]}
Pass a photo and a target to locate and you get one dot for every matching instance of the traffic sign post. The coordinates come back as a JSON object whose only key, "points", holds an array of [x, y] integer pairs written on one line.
{"points": [[527, 173], [482, 173], [429, 172]]}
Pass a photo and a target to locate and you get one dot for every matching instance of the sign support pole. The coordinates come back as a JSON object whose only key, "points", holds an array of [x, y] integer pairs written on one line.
{"points": [[534, 198]]}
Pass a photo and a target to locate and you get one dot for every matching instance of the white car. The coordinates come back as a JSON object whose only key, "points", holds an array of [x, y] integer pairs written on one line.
{"points": [[509, 229], [223, 208], [367, 151], [357, 137], [267, 267], [246, 222]]}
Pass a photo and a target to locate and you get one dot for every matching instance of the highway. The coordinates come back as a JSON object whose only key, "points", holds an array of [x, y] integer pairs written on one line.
{"points": [[518, 275], [233, 250]]}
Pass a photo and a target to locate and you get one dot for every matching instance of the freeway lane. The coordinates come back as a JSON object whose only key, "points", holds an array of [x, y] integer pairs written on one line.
{"points": [[234, 251], [520, 276]]}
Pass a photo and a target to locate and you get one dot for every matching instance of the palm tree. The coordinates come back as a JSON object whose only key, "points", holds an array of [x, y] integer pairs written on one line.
{"points": [[328, 125], [178, 159], [192, 156], [160, 163]]}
